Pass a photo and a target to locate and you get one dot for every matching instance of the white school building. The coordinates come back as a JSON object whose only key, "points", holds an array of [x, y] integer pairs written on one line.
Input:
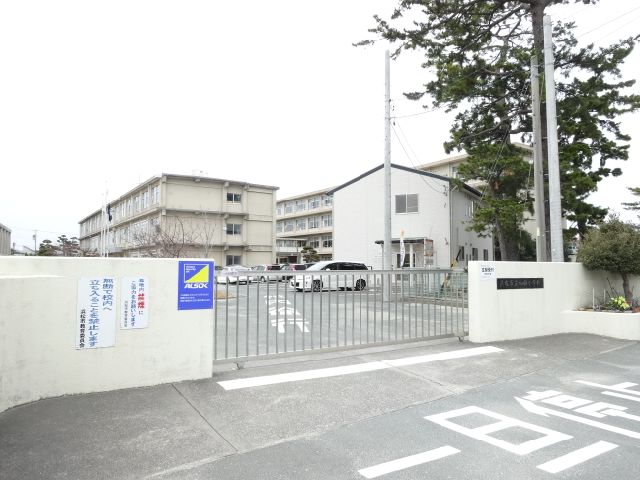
{"points": [[429, 211]]}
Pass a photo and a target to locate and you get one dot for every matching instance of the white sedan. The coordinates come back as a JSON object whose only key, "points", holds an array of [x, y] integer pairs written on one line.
{"points": [[234, 274]]}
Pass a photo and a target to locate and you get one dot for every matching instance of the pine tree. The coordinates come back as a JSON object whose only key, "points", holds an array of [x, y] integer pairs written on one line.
{"points": [[479, 53], [633, 205]]}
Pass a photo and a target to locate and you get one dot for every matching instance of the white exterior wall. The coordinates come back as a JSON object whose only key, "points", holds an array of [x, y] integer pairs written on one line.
{"points": [[202, 208], [460, 236], [304, 234], [5, 240], [38, 358], [496, 315], [359, 217]]}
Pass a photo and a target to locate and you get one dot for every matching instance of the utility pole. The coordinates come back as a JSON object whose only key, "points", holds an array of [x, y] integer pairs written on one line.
{"points": [[555, 209], [386, 260], [538, 164], [35, 241]]}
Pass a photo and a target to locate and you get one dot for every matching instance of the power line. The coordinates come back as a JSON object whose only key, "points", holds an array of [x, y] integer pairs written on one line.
{"points": [[608, 22], [39, 230], [617, 29], [471, 75], [406, 139], [418, 113], [574, 14], [414, 166]]}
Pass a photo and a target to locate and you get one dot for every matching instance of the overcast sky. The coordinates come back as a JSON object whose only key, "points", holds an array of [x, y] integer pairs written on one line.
{"points": [[99, 96]]}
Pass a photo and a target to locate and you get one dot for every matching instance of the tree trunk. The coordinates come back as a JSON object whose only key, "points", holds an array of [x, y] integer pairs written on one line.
{"points": [[626, 288], [509, 250]]}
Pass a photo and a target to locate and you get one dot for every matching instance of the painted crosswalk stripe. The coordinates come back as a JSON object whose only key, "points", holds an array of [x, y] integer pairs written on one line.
{"points": [[579, 456], [407, 462], [351, 369]]}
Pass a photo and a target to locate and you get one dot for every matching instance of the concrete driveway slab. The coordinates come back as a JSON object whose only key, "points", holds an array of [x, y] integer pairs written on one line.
{"points": [[567, 429], [368, 421], [122, 434]]}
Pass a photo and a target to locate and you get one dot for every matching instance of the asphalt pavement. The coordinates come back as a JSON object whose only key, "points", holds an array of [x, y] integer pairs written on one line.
{"points": [[565, 406], [259, 319]]}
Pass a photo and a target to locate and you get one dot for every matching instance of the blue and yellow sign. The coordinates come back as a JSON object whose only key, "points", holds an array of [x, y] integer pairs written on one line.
{"points": [[195, 285]]}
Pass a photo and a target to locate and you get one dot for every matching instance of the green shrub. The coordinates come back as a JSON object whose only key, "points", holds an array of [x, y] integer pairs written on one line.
{"points": [[618, 303], [613, 247]]}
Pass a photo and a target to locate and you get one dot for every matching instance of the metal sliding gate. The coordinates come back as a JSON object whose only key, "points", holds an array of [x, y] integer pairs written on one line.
{"points": [[340, 309]]}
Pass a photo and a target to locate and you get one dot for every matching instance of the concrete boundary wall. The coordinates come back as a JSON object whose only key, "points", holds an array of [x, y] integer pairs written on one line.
{"points": [[496, 315], [38, 358]]}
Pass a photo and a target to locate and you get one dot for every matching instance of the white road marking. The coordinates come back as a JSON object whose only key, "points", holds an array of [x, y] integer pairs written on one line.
{"points": [[408, 462], [351, 369], [567, 401], [279, 309], [303, 375], [483, 433], [536, 396], [545, 412], [469, 352], [618, 413], [579, 456], [595, 409], [620, 387], [621, 395]]}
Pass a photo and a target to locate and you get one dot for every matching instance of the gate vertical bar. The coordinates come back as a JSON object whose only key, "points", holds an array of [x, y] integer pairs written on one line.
{"points": [[268, 305], [215, 325], [375, 308], [237, 314], [353, 312], [286, 313], [246, 350], [226, 321], [257, 318], [277, 315], [313, 293], [295, 314]]}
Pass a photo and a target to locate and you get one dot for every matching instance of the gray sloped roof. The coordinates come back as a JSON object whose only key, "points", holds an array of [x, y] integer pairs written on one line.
{"points": [[406, 169]]}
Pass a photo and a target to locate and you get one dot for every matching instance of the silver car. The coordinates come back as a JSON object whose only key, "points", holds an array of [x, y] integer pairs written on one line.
{"points": [[234, 274]]}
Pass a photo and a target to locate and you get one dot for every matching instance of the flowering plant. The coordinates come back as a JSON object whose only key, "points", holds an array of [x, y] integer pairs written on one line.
{"points": [[618, 303]]}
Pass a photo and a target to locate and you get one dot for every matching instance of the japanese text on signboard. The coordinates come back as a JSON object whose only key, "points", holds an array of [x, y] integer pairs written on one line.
{"points": [[135, 302], [95, 313]]}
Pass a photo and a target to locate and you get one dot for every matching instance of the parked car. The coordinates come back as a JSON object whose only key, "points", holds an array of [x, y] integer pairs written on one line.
{"points": [[234, 274], [292, 267], [350, 280], [258, 271]]}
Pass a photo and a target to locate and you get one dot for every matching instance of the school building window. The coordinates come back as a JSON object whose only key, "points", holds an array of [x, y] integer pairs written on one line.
{"points": [[407, 203], [234, 229]]}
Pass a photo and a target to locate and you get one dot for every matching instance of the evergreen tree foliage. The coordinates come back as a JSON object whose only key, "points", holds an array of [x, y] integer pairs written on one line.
{"points": [[633, 205], [46, 249], [65, 247], [613, 247], [478, 56], [309, 254]]}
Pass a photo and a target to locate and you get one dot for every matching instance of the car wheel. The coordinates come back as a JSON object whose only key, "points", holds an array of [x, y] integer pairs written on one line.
{"points": [[360, 284], [317, 286]]}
